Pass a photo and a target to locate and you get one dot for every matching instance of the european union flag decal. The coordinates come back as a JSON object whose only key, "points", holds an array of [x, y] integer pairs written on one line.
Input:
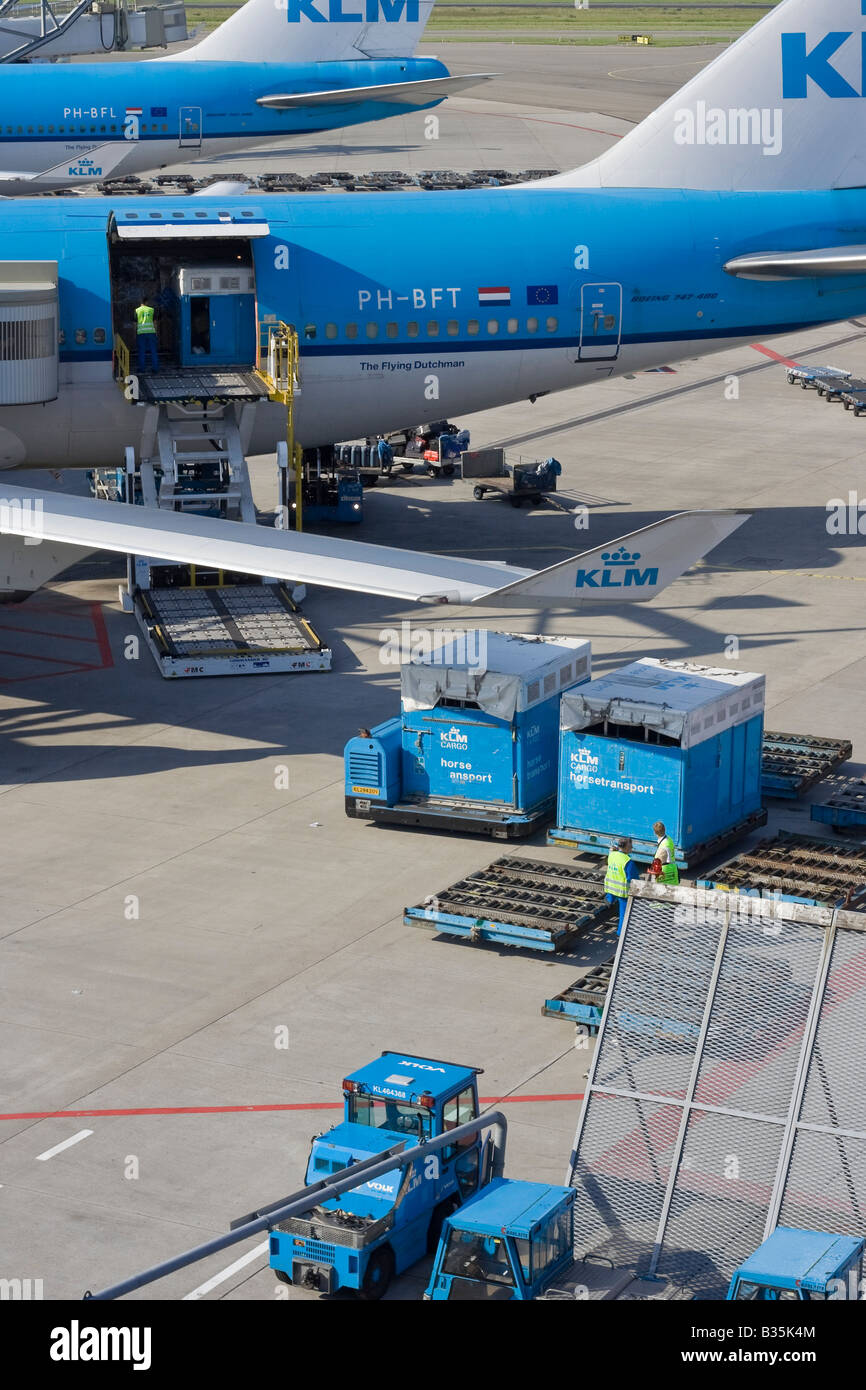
{"points": [[159, 110], [542, 294]]}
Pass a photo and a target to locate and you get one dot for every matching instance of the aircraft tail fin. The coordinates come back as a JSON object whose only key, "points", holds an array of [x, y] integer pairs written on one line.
{"points": [[780, 109], [315, 31]]}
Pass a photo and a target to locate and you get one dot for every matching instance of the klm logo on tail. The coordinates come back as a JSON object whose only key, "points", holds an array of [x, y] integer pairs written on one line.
{"points": [[353, 11], [617, 571], [800, 63]]}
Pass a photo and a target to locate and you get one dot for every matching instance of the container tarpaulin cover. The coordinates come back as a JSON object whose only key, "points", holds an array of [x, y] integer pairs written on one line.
{"points": [[498, 672], [680, 699]]}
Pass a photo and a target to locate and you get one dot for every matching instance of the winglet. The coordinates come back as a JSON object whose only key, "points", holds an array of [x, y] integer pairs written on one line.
{"points": [[632, 569]]}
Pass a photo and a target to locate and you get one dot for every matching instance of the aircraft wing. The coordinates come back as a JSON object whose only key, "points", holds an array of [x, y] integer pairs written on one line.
{"points": [[419, 93], [657, 554], [799, 265]]}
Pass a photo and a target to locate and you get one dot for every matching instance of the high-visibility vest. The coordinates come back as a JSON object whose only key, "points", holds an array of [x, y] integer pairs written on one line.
{"points": [[144, 319], [615, 881], [670, 873]]}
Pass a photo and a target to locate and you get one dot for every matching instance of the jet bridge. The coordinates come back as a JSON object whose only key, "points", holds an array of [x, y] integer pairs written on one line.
{"points": [[724, 1098], [44, 29]]}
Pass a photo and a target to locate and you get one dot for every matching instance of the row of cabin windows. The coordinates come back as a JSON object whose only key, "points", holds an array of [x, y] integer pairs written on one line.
{"points": [[82, 129], [433, 328]]}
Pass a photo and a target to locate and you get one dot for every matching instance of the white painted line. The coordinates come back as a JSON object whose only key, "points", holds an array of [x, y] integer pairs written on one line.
{"points": [[224, 1274], [67, 1144]]}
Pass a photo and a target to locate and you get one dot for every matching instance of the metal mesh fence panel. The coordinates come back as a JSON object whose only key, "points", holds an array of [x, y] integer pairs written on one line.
{"points": [[826, 1184], [759, 1014], [836, 1081], [720, 1199], [657, 1001], [621, 1177], [727, 1094]]}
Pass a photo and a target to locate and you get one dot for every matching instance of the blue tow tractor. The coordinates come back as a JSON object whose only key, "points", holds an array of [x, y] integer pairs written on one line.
{"points": [[515, 1240], [801, 1265], [361, 1239], [474, 748]]}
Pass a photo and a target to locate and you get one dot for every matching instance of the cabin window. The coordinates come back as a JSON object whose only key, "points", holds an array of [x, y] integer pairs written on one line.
{"points": [[372, 330], [532, 325], [330, 330], [51, 130], [472, 328], [30, 130], [351, 330], [81, 335], [412, 329], [433, 328], [493, 327], [309, 330], [512, 325], [99, 335], [552, 325], [390, 330], [42, 130], [452, 328]]}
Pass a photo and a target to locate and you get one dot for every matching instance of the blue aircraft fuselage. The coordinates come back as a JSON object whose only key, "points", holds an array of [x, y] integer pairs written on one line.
{"points": [[424, 305], [148, 115]]}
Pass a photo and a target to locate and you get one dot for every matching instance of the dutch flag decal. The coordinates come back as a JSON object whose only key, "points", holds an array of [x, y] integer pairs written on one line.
{"points": [[494, 294]]}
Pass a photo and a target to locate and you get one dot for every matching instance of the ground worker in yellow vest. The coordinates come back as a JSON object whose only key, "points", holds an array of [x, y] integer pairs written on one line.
{"points": [[664, 867], [621, 869], [145, 329]]}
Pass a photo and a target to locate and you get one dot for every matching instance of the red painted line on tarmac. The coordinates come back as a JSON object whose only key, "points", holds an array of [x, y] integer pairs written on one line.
{"points": [[777, 357], [239, 1109], [101, 631]]}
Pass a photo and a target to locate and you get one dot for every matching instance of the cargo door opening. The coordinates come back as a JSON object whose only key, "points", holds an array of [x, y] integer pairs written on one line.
{"points": [[195, 267]]}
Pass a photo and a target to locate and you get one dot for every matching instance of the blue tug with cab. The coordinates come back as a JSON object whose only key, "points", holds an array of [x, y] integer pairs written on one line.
{"points": [[362, 1239]]}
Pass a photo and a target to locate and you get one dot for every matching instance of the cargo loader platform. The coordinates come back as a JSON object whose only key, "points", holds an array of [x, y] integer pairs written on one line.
{"points": [[793, 763], [188, 385], [519, 902], [846, 807], [593, 842], [797, 869], [467, 818], [228, 630], [584, 1001]]}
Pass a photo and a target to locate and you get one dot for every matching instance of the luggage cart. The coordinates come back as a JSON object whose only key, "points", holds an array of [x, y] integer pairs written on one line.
{"points": [[807, 377]]}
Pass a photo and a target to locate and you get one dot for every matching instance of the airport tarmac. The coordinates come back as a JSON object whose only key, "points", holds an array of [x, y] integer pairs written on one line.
{"points": [[148, 982]]}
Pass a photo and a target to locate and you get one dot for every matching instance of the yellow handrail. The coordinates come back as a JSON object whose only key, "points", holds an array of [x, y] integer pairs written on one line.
{"points": [[121, 358], [279, 367]]}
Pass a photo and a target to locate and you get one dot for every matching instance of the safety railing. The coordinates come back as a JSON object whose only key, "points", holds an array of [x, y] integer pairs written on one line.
{"points": [[121, 362], [279, 368]]}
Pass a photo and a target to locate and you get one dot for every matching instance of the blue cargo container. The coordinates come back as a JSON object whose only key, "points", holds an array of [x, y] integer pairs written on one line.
{"points": [[667, 741], [216, 315], [475, 747]]}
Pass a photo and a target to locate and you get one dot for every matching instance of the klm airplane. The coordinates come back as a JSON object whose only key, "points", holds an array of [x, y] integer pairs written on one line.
{"points": [[272, 71], [736, 211]]}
